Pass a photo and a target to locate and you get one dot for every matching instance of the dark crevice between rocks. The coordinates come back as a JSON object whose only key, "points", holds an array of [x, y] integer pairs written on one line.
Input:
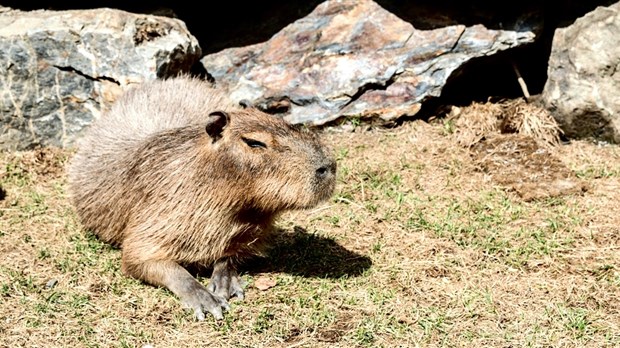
{"points": [[492, 78], [198, 70], [433, 14], [75, 71]]}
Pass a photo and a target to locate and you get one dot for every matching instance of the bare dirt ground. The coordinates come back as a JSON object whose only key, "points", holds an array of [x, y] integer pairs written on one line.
{"points": [[425, 244]]}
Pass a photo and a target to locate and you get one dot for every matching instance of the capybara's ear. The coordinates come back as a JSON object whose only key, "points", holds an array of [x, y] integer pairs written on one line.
{"points": [[216, 124]]}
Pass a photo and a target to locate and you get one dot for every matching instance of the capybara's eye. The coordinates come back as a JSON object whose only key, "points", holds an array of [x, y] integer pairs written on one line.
{"points": [[254, 143]]}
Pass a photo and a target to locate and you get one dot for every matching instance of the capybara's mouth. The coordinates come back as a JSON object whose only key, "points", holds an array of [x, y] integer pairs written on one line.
{"points": [[325, 190]]}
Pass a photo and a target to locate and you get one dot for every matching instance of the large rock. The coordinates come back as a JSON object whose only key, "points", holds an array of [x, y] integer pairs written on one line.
{"points": [[583, 86], [353, 58], [59, 69]]}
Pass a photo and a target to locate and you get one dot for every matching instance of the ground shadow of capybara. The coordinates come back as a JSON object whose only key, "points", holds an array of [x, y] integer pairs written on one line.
{"points": [[305, 254], [301, 253]]}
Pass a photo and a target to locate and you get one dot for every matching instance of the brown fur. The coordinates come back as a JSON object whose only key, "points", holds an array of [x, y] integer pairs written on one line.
{"points": [[162, 177]]}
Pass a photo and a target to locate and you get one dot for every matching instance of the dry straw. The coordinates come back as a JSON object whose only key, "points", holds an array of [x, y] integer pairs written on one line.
{"points": [[536, 122], [478, 121], [474, 122]]}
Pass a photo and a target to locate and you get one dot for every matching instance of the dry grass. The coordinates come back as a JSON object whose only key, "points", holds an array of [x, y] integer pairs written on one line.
{"points": [[533, 121], [477, 121], [419, 247]]}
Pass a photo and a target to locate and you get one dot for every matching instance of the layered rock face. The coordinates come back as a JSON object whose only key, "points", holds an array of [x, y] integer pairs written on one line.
{"points": [[58, 70], [353, 58]]}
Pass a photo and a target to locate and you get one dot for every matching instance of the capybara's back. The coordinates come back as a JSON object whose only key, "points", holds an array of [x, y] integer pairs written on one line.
{"points": [[100, 168], [175, 174]]}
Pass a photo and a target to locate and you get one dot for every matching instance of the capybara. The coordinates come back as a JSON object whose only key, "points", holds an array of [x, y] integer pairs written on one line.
{"points": [[177, 175]]}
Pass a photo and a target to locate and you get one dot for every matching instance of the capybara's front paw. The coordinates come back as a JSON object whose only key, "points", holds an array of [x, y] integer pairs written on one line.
{"points": [[227, 285], [225, 281], [202, 301]]}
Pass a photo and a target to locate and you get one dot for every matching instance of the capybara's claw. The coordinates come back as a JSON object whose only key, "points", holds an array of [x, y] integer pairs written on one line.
{"points": [[203, 301]]}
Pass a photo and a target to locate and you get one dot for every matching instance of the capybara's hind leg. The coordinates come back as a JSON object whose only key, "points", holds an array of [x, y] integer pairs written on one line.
{"points": [[225, 280], [176, 278]]}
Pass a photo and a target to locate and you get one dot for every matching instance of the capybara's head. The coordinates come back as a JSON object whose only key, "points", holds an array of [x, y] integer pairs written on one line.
{"points": [[277, 166]]}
